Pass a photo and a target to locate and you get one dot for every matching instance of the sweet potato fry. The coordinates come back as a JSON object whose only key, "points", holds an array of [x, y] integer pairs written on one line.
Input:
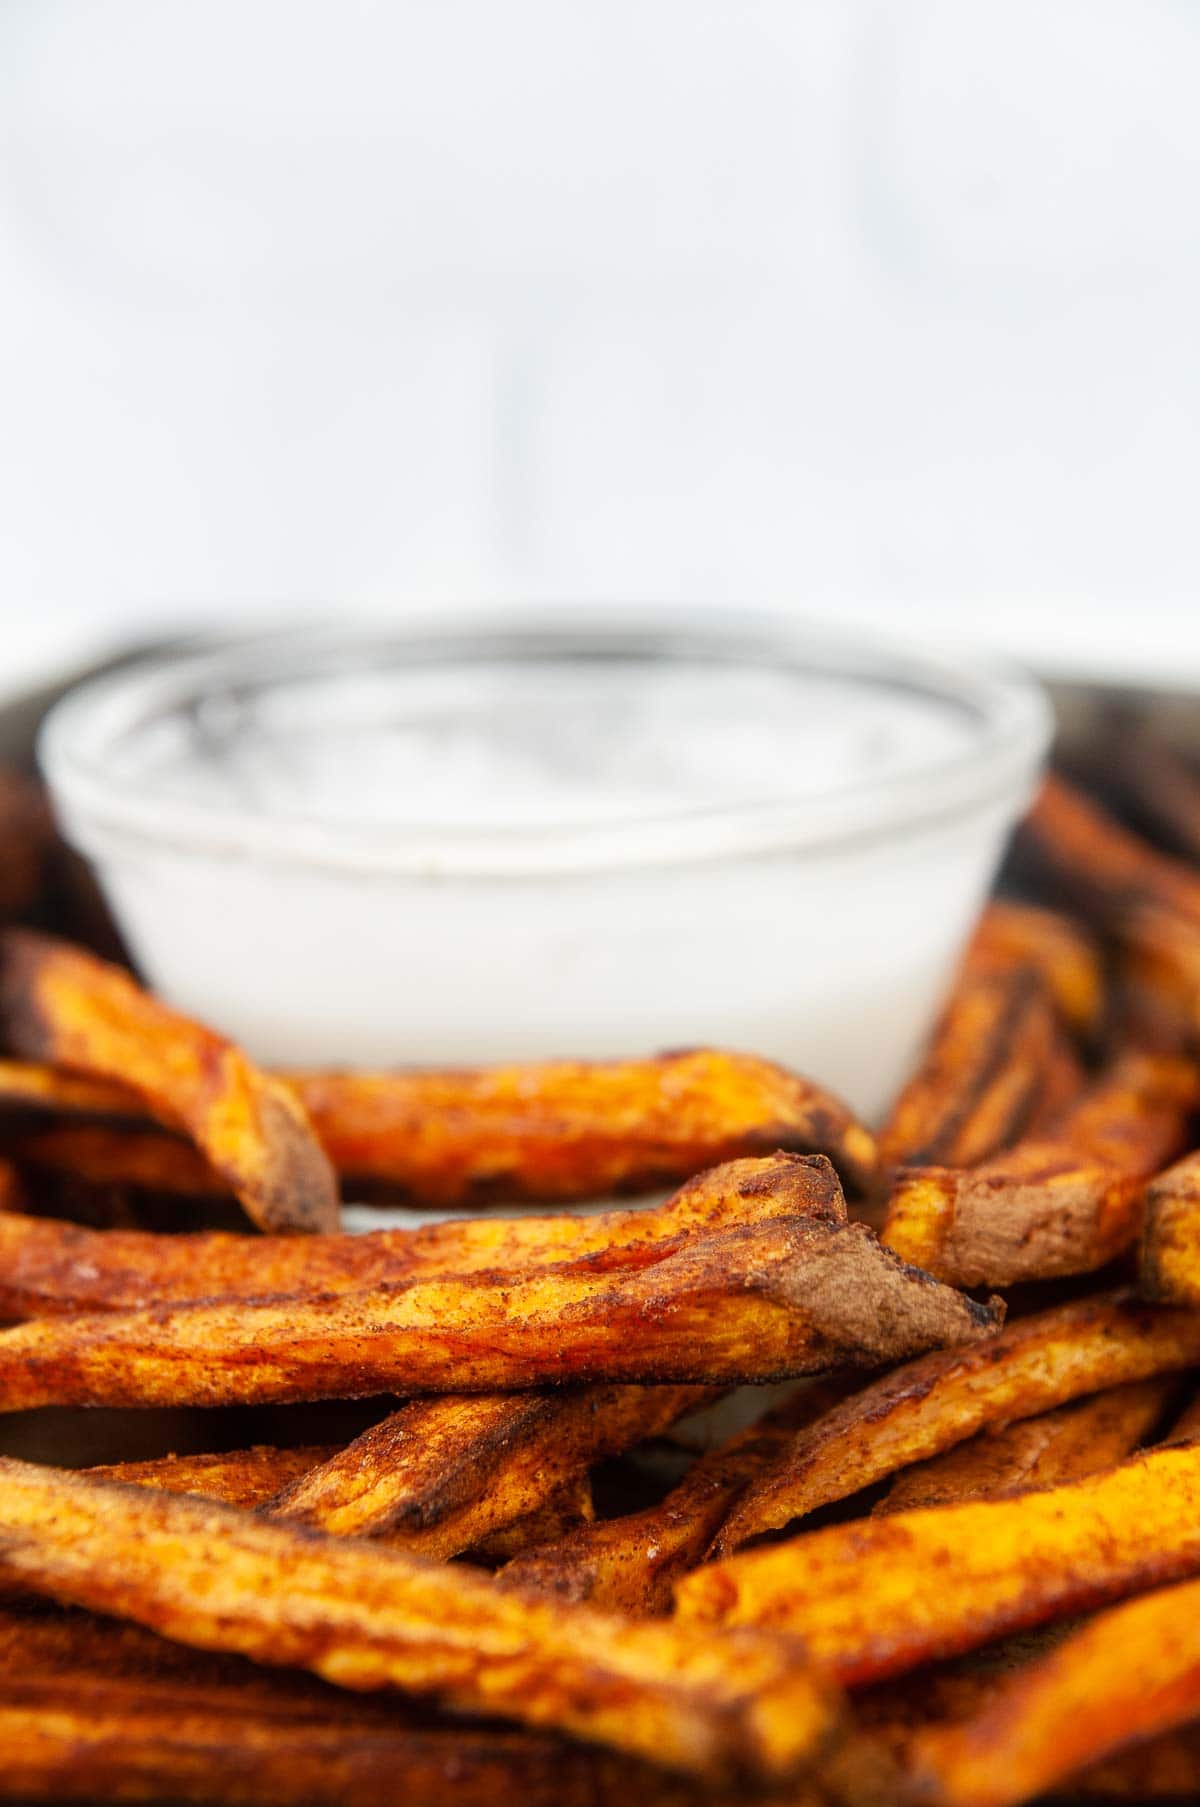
{"points": [[1158, 971], [26, 837], [368, 1618], [1066, 1203], [1059, 1446], [1062, 1085], [60, 1004], [568, 1510], [1103, 868], [1127, 1675], [980, 1078], [1161, 788], [557, 1130], [1166, 1768], [91, 1710], [869, 1598], [48, 1267], [1170, 1260], [568, 1129], [766, 1302], [441, 1475], [102, 1155], [1010, 935], [1033, 1366], [630, 1564], [241, 1477]]}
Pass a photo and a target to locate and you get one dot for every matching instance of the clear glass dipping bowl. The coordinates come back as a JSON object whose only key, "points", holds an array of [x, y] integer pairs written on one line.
{"points": [[577, 836]]}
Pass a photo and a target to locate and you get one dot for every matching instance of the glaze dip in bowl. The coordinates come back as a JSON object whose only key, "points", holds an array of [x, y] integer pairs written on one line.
{"points": [[575, 836]]}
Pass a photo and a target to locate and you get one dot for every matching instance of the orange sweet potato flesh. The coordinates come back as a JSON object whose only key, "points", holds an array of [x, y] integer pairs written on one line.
{"points": [[49, 1267], [62, 1005], [1033, 1366], [238, 1477], [1066, 1202], [554, 1130], [766, 1301], [440, 1476], [630, 1564], [370, 1618], [980, 1078], [870, 1598], [91, 1710], [1129, 1674], [1078, 1439], [1170, 1253], [575, 1129]]}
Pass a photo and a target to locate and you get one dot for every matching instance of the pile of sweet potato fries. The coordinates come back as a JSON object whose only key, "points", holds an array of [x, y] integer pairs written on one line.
{"points": [[447, 1523]]}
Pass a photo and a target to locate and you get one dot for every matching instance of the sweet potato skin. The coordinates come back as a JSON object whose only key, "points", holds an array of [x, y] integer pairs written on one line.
{"points": [[1129, 1674], [1170, 1250], [368, 1618], [929, 1405], [441, 1476], [1078, 1439], [60, 1004], [48, 1267], [764, 1302], [868, 1598], [1065, 1203]]}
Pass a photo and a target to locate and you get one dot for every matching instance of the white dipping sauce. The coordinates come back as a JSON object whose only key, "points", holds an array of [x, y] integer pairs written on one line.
{"points": [[568, 842]]}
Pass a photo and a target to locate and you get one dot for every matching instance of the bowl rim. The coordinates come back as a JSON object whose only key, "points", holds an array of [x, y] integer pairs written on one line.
{"points": [[105, 812]]}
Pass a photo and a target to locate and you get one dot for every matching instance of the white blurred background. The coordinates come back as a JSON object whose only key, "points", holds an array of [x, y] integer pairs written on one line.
{"points": [[879, 309]]}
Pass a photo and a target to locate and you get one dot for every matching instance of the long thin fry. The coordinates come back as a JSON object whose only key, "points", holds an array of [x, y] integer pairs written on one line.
{"points": [[979, 1080], [1103, 868], [441, 1475], [868, 1598], [569, 1509], [241, 1477], [928, 1406], [1129, 1674], [1077, 1439], [103, 1154], [1066, 1203], [48, 1267], [782, 1298], [60, 1004], [630, 1564], [368, 1618], [92, 1710], [553, 1130]]}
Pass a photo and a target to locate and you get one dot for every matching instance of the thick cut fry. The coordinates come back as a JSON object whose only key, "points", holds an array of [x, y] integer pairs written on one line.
{"points": [[569, 1129], [242, 1477], [442, 1475], [1066, 1203], [1170, 1264], [1012, 934], [1129, 1674], [869, 1598], [928, 1406], [980, 1078], [93, 1710], [782, 1298], [1075, 1440], [558, 1130], [368, 1618], [60, 1004], [102, 1155], [630, 1564], [48, 1267]]}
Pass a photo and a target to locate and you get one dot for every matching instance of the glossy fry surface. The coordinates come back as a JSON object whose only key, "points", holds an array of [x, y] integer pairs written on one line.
{"points": [[786, 1297], [368, 1618], [60, 1004], [1129, 1674], [929, 1405], [48, 1267], [872, 1598], [442, 1475]]}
